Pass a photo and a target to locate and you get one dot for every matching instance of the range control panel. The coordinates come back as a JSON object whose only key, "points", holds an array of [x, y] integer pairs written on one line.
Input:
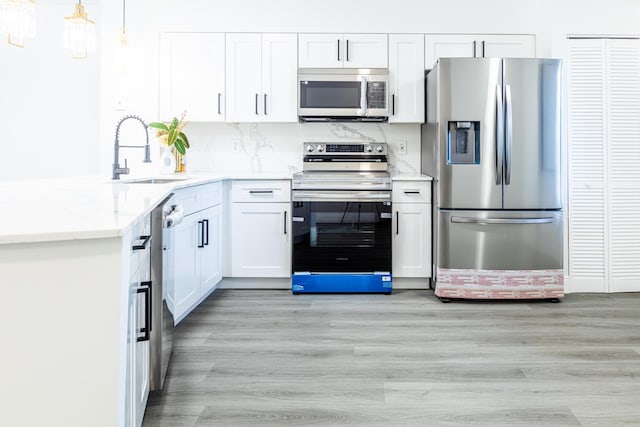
{"points": [[346, 148]]}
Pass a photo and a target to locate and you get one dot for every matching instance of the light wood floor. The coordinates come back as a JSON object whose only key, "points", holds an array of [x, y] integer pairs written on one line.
{"points": [[269, 358]]}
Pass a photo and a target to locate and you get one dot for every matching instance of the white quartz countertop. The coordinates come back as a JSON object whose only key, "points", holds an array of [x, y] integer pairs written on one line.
{"points": [[95, 207], [87, 207], [411, 177]]}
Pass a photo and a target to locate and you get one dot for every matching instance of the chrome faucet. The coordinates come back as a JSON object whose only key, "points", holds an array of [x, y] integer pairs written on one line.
{"points": [[117, 170]]}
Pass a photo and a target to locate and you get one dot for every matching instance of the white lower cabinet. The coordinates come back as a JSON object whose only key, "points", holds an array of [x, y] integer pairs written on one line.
{"points": [[137, 365], [411, 229], [261, 229], [195, 247]]}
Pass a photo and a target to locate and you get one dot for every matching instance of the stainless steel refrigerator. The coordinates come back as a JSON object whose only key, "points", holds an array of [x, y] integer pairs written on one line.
{"points": [[492, 144]]}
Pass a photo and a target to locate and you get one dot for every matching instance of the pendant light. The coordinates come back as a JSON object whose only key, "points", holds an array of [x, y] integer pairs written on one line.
{"points": [[18, 20], [79, 33], [122, 48]]}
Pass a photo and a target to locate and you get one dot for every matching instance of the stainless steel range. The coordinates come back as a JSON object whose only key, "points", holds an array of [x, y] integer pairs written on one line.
{"points": [[342, 219]]}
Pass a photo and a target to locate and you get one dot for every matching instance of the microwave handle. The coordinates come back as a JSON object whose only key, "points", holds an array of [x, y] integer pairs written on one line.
{"points": [[363, 95]]}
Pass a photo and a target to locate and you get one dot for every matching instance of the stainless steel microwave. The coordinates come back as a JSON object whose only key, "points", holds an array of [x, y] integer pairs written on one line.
{"points": [[328, 94]]}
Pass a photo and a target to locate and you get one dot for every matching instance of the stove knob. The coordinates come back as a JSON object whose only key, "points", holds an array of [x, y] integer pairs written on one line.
{"points": [[320, 148], [310, 148], [368, 149], [379, 148]]}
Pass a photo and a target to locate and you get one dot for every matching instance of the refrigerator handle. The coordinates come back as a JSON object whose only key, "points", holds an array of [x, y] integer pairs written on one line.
{"points": [[499, 134], [489, 221], [508, 136]]}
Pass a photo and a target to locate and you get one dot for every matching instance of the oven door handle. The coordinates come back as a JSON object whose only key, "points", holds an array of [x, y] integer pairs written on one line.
{"points": [[341, 196]]}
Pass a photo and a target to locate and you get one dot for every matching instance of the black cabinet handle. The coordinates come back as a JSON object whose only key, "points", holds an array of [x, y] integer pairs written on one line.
{"points": [[146, 290], [411, 191], [265, 104], [257, 96], [393, 105], [260, 191], [140, 243], [206, 232], [483, 48], [347, 49], [285, 222], [219, 103], [338, 49], [201, 234], [397, 223], [474, 49]]}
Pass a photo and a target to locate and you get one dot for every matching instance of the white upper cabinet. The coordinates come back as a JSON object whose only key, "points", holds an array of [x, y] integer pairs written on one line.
{"points": [[478, 46], [342, 51], [261, 77], [406, 78], [192, 76]]}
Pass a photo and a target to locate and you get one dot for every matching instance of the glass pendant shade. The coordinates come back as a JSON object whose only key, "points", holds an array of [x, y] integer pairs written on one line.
{"points": [[79, 33], [18, 20]]}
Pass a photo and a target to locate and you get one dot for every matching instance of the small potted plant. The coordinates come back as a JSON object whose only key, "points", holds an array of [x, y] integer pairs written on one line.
{"points": [[171, 134]]}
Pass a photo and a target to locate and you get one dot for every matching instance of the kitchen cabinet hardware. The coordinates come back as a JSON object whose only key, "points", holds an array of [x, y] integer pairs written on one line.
{"points": [[141, 243], [260, 191], [397, 223], [265, 104], [473, 49], [205, 232], [338, 41], [257, 96], [393, 104], [411, 191], [219, 103], [285, 222], [201, 234], [347, 49], [145, 289], [483, 48]]}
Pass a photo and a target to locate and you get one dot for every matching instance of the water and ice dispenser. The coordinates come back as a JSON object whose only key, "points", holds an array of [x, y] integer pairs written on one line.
{"points": [[463, 143]]}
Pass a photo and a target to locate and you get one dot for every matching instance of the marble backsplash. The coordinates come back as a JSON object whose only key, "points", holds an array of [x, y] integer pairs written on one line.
{"points": [[277, 147]]}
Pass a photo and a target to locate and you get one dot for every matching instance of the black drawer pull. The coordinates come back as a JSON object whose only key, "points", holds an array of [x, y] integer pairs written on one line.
{"points": [[140, 243]]}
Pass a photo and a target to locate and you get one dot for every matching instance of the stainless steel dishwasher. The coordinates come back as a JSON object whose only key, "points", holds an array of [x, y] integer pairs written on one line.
{"points": [[163, 218]]}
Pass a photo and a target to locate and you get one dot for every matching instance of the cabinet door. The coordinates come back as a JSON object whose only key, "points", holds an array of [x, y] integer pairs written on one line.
{"points": [[261, 243], [132, 328], [406, 78], [320, 50], [192, 76], [186, 287], [243, 69], [279, 77], [141, 360], [365, 51], [210, 256], [448, 46], [506, 46], [411, 240]]}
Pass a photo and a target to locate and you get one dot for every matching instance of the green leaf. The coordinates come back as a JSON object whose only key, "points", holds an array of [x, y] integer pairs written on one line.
{"points": [[180, 146], [158, 125], [184, 139], [174, 123], [173, 134]]}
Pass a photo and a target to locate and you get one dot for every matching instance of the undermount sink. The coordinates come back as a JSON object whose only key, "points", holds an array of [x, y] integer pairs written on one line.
{"points": [[153, 181]]}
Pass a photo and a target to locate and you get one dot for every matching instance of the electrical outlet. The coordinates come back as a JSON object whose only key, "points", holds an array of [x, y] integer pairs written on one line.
{"points": [[402, 148]]}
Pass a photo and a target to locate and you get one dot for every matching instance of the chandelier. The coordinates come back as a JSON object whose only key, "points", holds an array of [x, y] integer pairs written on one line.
{"points": [[79, 33], [18, 20]]}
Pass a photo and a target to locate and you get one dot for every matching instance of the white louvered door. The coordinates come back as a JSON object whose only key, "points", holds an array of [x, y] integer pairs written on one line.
{"points": [[604, 165], [623, 132]]}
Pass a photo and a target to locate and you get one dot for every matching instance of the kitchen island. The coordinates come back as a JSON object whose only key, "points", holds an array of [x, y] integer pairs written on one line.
{"points": [[65, 261]]}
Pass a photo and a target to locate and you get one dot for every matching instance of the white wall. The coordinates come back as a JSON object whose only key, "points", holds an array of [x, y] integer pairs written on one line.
{"points": [[49, 113]]}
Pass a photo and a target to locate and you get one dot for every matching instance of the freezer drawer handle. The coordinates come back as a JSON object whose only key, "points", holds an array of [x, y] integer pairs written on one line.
{"points": [[488, 221]]}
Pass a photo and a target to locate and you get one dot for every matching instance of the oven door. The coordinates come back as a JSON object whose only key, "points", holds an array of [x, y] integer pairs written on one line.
{"points": [[341, 232]]}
